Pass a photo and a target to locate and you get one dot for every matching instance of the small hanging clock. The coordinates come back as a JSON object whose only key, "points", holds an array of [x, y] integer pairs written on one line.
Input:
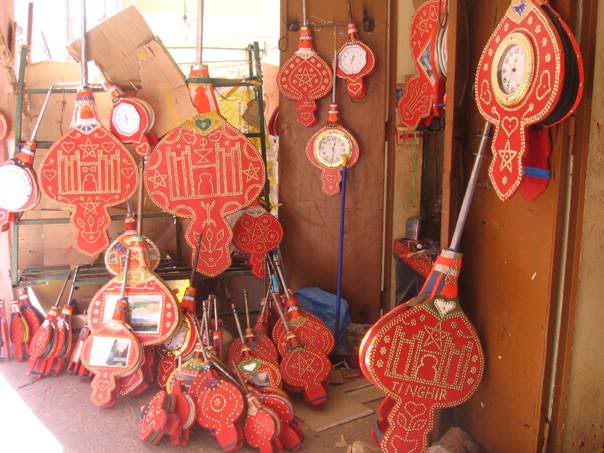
{"points": [[131, 120], [332, 148], [356, 61]]}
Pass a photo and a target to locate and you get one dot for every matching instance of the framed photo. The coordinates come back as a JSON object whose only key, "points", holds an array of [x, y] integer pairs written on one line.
{"points": [[145, 311], [110, 351]]}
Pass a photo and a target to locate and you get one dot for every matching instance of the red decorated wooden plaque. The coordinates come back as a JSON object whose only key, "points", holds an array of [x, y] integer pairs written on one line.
{"points": [[258, 372], [282, 407], [88, 170], [19, 332], [330, 149], [194, 369], [154, 312], [424, 356], [261, 426], [519, 81], [260, 346], [256, 233], [309, 329], [117, 250], [424, 92], [356, 62], [205, 170], [306, 370], [154, 417], [110, 353], [220, 407], [305, 77]]}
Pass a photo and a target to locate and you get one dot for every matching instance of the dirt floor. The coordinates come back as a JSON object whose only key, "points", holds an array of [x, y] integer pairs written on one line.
{"points": [[61, 404]]}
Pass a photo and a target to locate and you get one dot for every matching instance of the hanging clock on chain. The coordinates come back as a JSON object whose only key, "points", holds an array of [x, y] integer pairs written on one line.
{"points": [[356, 61], [332, 148]]}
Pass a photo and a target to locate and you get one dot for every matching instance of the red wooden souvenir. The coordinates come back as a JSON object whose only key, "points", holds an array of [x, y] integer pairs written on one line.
{"points": [[310, 330], [19, 332], [32, 315], [131, 120], [255, 340], [154, 312], [220, 407], [289, 436], [204, 170], [254, 369], [261, 427], [185, 409], [356, 61], [519, 81], [304, 369], [536, 174], [331, 148], [5, 339], [425, 354], [18, 182], [118, 248], [424, 93], [88, 170], [158, 419], [75, 365], [305, 77], [256, 233], [112, 351]]}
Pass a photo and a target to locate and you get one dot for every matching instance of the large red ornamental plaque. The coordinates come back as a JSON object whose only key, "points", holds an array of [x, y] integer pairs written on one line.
{"points": [[305, 77], [424, 92], [88, 170], [205, 170], [154, 312], [519, 80], [117, 250], [256, 233], [424, 355]]}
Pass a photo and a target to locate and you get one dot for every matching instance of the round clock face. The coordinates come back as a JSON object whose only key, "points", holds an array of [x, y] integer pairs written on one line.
{"points": [[332, 148], [352, 59], [513, 67], [15, 187], [126, 118]]}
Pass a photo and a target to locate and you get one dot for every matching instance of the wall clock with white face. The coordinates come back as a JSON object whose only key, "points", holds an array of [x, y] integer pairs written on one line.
{"points": [[513, 69]]}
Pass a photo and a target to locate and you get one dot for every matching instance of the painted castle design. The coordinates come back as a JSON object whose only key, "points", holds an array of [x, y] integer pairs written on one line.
{"points": [[89, 171]]}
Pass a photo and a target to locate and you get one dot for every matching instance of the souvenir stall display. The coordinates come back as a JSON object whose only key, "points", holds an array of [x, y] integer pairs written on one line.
{"points": [[88, 169], [305, 77], [135, 334]]}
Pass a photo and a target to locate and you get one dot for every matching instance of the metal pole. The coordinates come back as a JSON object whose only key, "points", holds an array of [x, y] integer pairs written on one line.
{"points": [[83, 53], [467, 198]]}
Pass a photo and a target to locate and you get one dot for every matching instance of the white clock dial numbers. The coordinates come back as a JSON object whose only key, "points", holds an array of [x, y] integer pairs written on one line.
{"points": [[352, 59], [333, 150], [512, 68], [126, 118]]}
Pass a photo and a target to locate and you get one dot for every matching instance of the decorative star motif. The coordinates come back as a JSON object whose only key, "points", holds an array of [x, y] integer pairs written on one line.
{"points": [[303, 365], [251, 172], [507, 158], [305, 78], [89, 150], [158, 180], [89, 206], [435, 336]]}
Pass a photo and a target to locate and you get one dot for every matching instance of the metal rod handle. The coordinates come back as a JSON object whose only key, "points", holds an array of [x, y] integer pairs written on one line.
{"points": [[63, 289], [34, 131], [470, 189], [237, 323], [83, 50]]}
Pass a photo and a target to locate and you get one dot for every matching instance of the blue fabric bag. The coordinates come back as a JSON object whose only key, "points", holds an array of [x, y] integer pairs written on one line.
{"points": [[323, 304]]}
